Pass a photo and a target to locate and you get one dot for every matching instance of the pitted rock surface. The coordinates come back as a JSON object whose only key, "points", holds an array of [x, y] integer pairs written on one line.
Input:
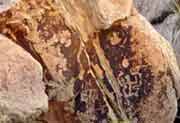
{"points": [[22, 92]]}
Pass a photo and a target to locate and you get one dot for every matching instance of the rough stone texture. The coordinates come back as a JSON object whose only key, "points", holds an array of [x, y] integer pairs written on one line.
{"points": [[22, 93], [176, 46], [165, 108], [165, 21], [6, 4], [152, 8], [168, 27], [126, 71], [160, 14], [93, 14]]}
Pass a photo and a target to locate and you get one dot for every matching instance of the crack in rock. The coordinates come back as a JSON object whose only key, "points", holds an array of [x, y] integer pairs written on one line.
{"points": [[160, 19]]}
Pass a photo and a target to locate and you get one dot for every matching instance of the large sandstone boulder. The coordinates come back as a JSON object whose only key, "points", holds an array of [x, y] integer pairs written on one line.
{"points": [[22, 92], [110, 69]]}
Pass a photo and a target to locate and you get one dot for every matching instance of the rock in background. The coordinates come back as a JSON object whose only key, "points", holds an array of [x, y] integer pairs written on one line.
{"points": [[165, 17], [161, 14], [6, 4], [152, 8]]}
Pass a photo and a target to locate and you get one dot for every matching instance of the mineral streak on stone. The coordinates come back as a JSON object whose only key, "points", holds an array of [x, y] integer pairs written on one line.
{"points": [[153, 69], [134, 83], [22, 92], [40, 29], [89, 101]]}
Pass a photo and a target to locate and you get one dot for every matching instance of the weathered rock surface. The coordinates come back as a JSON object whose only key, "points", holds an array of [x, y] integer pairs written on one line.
{"points": [[152, 8], [160, 14], [93, 14], [123, 71], [176, 46], [166, 22], [166, 108], [168, 27], [22, 92], [6, 4]]}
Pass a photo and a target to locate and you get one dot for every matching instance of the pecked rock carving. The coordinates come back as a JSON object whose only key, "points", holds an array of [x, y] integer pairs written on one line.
{"points": [[98, 68]]}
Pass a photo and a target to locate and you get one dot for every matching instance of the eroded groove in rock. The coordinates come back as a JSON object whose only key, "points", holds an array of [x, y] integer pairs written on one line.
{"points": [[161, 18]]}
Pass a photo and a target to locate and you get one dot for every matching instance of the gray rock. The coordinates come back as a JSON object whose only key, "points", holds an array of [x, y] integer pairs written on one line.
{"points": [[22, 92], [6, 4], [176, 45], [160, 14], [165, 22], [168, 27], [152, 8]]}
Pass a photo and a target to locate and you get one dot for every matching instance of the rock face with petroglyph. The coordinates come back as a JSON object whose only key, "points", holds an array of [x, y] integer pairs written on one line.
{"points": [[100, 64]]}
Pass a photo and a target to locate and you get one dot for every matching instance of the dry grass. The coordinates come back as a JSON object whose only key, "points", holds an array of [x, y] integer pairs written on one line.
{"points": [[176, 9], [176, 6]]}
